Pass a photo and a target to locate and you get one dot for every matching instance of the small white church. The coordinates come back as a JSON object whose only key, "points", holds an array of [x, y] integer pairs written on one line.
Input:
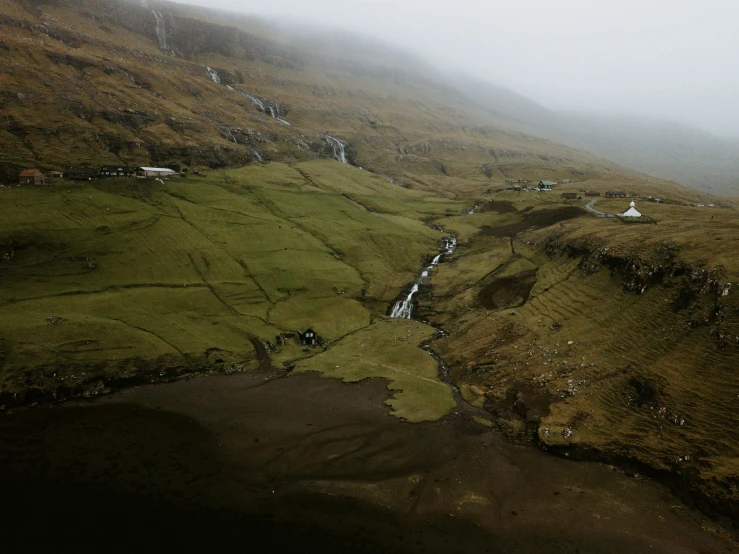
{"points": [[632, 211]]}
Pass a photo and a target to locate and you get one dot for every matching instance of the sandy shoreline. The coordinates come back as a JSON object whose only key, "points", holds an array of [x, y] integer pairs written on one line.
{"points": [[310, 463]]}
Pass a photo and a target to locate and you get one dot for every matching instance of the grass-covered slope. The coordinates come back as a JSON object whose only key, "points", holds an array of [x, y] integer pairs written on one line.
{"points": [[122, 278], [621, 342]]}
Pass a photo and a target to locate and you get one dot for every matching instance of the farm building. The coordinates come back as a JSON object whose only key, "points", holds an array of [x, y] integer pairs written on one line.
{"points": [[546, 185], [616, 194], [592, 193], [308, 337], [31, 177], [79, 174], [54, 175], [116, 171], [151, 172], [569, 195]]}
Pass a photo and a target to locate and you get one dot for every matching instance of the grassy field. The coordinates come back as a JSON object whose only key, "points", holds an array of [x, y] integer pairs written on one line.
{"points": [[390, 350], [100, 280]]}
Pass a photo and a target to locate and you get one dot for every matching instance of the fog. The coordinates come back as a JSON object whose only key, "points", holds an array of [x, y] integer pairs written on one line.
{"points": [[673, 59]]}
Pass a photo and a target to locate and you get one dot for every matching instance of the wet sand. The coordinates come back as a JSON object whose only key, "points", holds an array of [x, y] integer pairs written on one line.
{"points": [[308, 464]]}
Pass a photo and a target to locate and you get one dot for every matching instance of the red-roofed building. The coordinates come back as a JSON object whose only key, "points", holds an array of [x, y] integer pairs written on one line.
{"points": [[31, 177]]}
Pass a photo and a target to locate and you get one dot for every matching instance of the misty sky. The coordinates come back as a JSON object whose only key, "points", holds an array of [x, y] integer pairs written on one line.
{"points": [[674, 59]]}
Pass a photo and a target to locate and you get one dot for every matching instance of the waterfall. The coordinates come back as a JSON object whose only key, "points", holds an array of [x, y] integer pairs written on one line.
{"points": [[256, 153], [254, 100], [213, 75], [274, 110], [338, 148], [229, 134], [404, 308], [161, 30]]}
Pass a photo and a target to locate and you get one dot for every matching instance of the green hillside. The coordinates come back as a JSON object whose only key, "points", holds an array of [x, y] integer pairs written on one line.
{"points": [[124, 278], [580, 334]]}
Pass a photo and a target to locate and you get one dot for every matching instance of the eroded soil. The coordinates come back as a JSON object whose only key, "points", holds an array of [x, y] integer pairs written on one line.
{"points": [[533, 219], [508, 292]]}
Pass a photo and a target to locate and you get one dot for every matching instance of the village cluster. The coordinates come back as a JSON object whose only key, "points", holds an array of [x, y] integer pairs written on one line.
{"points": [[37, 177], [548, 186], [632, 214]]}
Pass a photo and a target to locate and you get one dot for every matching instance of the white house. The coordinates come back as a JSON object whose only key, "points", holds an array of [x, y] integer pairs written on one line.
{"points": [[144, 172], [632, 211]]}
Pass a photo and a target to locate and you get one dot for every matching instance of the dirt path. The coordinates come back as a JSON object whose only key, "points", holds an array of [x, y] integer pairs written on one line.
{"points": [[265, 362], [591, 208], [311, 465]]}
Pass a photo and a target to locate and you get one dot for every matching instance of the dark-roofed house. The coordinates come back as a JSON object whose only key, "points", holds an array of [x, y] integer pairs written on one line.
{"points": [[616, 194], [308, 337], [116, 171], [79, 174], [546, 185], [31, 177]]}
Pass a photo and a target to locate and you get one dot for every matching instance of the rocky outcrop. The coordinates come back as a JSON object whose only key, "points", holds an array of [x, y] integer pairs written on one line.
{"points": [[659, 265], [130, 118]]}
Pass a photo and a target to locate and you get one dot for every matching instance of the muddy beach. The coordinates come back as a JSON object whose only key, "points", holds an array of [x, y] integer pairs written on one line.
{"points": [[310, 464]]}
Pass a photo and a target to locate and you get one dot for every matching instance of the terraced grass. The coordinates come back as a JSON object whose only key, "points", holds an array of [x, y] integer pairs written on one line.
{"points": [[648, 377]]}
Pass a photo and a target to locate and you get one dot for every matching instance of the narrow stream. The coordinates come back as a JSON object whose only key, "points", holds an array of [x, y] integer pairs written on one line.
{"points": [[404, 308]]}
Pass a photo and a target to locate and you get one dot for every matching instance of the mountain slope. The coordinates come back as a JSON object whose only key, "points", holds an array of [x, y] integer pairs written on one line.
{"points": [[89, 83], [667, 150], [115, 282]]}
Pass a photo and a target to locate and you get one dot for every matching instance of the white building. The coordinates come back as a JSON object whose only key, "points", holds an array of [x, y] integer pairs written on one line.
{"points": [[632, 211], [144, 172]]}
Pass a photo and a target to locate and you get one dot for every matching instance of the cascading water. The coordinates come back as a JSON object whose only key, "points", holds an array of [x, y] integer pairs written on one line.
{"points": [[258, 155], [161, 30], [403, 309], [338, 148], [213, 75], [254, 100], [229, 135], [274, 111]]}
